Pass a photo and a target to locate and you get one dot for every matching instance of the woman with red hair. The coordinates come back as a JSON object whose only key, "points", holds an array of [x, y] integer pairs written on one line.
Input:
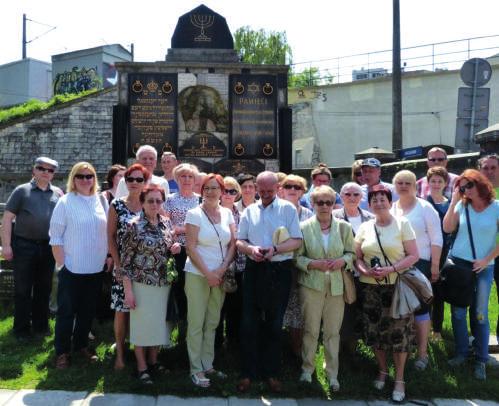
{"points": [[210, 235], [474, 199]]}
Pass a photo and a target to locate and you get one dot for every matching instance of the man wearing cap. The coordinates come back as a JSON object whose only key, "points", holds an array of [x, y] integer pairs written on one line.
{"points": [[436, 157], [371, 172], [31, 205]]}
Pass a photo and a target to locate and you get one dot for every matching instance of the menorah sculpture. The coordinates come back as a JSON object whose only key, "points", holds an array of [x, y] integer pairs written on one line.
{"points": [[202, 21]]}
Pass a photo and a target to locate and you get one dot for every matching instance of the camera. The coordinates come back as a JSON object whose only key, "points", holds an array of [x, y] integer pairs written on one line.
{"points": [[375, 262]]}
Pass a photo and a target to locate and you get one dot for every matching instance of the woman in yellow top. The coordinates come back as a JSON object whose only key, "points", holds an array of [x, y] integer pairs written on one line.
{"points": [[384, 246], [327, 248]]}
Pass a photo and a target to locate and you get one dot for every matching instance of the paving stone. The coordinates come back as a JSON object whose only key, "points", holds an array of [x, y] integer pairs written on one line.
{"points": [[320, 402], [33, 397], [233, 401], [118, 399], [454, 402], [5, 395], [480, 402], [175, 400]]}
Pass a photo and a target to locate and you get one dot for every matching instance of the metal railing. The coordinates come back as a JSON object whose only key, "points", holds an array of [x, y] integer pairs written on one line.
{"points": [[433, 57]]}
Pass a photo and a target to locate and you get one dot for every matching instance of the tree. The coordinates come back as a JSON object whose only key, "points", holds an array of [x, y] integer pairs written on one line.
{"points": [[309, 77], [262, 47]]}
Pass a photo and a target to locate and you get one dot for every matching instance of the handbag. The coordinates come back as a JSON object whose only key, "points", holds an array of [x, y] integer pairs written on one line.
{"points": [[229, 283], [349, 290], [457, 278]]}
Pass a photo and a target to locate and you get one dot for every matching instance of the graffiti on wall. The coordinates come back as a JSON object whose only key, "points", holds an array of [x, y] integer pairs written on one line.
{"points": [[77, 80]]}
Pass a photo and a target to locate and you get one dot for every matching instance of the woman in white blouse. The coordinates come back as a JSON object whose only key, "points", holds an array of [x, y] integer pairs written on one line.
{"points": [[210, 235], [426, 225], [79, 243]]}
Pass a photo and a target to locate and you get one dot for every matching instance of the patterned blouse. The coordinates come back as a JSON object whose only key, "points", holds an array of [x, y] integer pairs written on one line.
{"points": [[240, 258], [124, 216], [146, 247], [177, 207]]}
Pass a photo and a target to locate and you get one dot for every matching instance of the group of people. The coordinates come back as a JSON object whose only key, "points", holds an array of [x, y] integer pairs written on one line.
{"points": [[173, 242]]}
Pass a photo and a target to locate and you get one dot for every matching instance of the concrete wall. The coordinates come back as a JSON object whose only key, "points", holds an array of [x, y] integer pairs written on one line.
{"points": [[23, 80], [351, 117], [78, 131]]}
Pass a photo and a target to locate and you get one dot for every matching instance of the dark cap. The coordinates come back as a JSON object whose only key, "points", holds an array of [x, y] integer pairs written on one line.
{"points": [[47, 161], [373, 162]]}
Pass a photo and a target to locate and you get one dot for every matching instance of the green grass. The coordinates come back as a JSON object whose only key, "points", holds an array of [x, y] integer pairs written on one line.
{"points": [[30, 365]]}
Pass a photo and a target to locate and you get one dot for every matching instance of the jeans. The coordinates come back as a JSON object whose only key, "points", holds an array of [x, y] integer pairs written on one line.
{"points": [[480, 318], [261, 330], [33, 269], [77, 297]]}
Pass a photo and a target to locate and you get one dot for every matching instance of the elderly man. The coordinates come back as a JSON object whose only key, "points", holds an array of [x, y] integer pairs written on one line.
{"points": [[267, 279], [371, 173], [320, 175], [148, 157], [436, 157], [168, 163], [31, 205]]}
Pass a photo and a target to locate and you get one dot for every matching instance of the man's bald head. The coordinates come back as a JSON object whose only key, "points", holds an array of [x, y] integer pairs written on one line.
{"points": [[267, 184]]}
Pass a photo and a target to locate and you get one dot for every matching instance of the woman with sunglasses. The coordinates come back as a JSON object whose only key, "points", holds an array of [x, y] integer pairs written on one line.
{"points": [[231, 310], [426, 225], [327, 248], [385, 246], [351, 328], [79, 244], [293, 187], [147, 246], [474, 193], [210, 236], [121, 211]]}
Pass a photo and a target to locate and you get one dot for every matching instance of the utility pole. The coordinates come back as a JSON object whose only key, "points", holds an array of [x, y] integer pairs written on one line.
{"points": [[24, 36], [396, 81]]}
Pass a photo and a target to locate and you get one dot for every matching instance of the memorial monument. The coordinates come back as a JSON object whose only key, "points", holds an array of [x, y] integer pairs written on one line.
{"points": [[203, 104]]}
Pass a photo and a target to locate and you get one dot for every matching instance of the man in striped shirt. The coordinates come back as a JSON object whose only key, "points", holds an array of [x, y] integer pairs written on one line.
{"points": [[436, 157]]}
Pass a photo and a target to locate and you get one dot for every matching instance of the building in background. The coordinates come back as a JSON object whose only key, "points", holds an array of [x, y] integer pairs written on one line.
{"points": [[23, 80]]}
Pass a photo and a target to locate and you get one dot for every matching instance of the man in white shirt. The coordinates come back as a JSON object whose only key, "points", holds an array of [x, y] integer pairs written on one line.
{"points": [[148, 157]]}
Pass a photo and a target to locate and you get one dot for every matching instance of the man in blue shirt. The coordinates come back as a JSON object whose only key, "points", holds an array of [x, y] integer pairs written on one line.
{"points": [[168, 163], [371, 172]]}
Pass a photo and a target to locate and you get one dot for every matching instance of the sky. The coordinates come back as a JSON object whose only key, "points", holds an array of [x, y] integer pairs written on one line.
{"points": [[315, 29]]}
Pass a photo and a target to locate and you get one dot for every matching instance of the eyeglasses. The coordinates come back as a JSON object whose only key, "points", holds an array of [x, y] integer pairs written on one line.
{"points": [[81, 176], [152, 201], [321, 203], [348, 194], [210, 188], [469, 185], [131, 179], [231, 192], [42, 169], [295, 187], [437, 159]]}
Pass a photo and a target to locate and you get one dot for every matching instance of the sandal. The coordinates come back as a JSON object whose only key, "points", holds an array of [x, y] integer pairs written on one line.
{"points": [[215, 373], [380, 384], [200, 381], [421, 363], [145, 378], [398, 396], [157, 369]]}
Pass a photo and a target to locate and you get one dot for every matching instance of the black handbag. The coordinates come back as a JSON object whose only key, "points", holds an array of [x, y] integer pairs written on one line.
{"points": [[457, 279]]}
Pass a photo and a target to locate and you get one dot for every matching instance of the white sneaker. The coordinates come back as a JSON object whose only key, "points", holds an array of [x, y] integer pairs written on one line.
{"points": [[306, 377]]}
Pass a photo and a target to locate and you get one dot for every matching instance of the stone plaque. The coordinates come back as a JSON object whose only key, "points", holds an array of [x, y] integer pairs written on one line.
{"points": [[253, 116], [152, 100], [203, 145]]}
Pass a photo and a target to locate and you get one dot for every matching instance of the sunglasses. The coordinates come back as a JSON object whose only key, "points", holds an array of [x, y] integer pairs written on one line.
{"points": [[321, 203], [437, 159], [295, 187], [152, 201], [80, 176], [469, 185], [231, 192], [131, 179], [42, 169], [348, 194]]}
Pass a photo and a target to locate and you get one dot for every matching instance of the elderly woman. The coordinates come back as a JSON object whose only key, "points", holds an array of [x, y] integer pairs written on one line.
{"points": [[351, 329], [79, 243], [147, 244], [210, 235], [176, 206], [293, 187], [231, 310], [327, 249], [425, 222], [385, 246], [121, 211], [474, 194]]}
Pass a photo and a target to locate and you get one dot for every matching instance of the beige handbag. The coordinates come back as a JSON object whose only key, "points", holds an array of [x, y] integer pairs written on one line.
{"points": [[349, 291]]}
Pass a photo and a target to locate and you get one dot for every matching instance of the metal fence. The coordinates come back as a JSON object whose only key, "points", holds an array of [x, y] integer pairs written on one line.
{"points": [[446, 55]]}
